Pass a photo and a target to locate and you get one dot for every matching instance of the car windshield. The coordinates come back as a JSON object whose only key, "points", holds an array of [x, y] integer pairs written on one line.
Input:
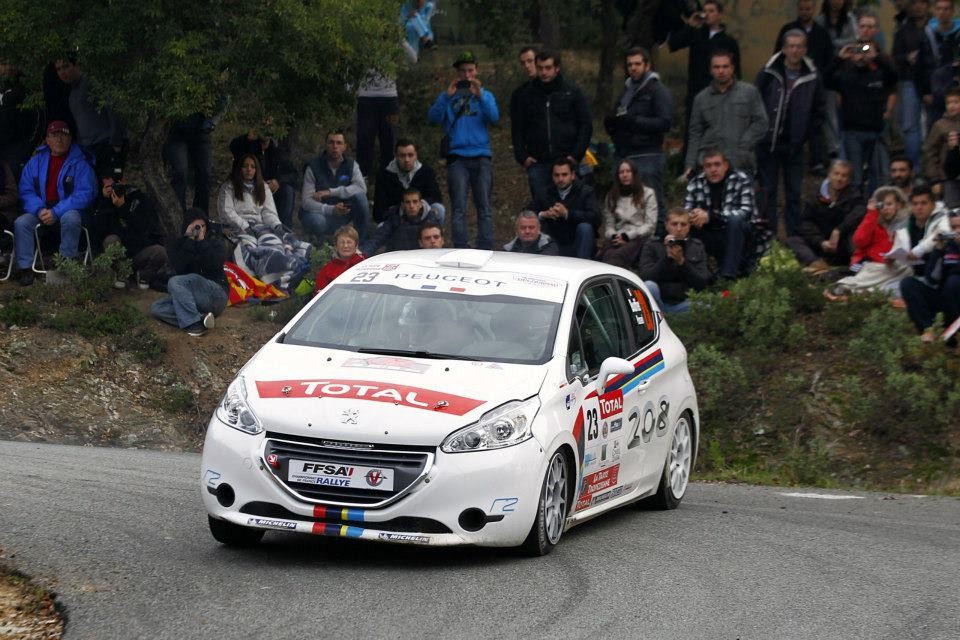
{"points": [[430, 324]]}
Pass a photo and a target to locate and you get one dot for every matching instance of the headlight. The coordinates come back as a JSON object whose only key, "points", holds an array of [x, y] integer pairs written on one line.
{"points": [[234, 411], [505, 426]]}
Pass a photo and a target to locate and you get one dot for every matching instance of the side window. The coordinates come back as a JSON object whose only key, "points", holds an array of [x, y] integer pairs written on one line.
{"points": [[643, 321], [603, 332]]}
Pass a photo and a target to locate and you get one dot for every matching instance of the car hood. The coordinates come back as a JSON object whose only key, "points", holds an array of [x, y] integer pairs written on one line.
{"points": [[342, 395]]}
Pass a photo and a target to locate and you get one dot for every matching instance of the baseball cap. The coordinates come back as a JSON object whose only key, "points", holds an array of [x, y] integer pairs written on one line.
{"points": [[57, 126], [465, 57]]}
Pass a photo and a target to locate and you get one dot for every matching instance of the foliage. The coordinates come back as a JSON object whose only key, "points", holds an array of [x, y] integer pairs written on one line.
{"points": [[175, 399], [18, 312], [92, 283], [718, 378]]}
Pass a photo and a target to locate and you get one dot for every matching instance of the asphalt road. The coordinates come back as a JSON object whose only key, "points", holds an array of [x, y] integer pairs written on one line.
{"points": [[122, 537]]}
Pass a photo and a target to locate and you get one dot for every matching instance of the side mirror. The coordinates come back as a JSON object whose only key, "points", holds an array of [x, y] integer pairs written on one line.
{"points": [[609, 367]]}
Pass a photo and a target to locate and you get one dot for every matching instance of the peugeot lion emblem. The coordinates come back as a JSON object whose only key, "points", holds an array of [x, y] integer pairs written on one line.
{"points": [[349, 416]]}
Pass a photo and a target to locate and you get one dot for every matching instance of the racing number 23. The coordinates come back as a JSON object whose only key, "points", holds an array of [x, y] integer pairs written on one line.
{"points": [[364, 276], [593, 428]]}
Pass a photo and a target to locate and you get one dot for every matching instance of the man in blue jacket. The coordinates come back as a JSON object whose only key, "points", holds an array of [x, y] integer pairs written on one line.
{"points": [[57, 185], [465, 110]]}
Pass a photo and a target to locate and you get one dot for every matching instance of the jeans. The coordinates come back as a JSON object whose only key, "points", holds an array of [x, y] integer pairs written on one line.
{"points": [[323, 225], [771, 163], [475, 174], [584, 243], [678, 307], [284, 198], [831, 124], [909, 103], [180, 151], [191, 297], [540, 177], [440, 211], [651, 166], [376, 118], [23, 229], [724, 241], [860, 147], [924, 301]]}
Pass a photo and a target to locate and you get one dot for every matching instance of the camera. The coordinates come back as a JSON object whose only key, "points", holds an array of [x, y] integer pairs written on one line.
{"points": [[864, 48], [463, 84], [947, 235], [119, 190], [676, 242]]}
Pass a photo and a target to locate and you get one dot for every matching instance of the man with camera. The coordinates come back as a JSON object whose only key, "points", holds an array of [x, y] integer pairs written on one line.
{"points": [[671, 267], [866, 82], [198, 293], [126, 215], [465, 109]]}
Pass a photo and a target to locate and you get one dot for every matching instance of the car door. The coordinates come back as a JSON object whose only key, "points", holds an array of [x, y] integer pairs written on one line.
{"points": [[599, 330]]}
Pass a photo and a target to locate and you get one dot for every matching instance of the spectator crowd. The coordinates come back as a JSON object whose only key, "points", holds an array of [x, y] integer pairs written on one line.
{"points": [[874, 129]]}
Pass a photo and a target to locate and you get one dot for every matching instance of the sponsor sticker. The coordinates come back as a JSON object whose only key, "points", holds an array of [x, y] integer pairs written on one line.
{"points": [[611, 404], [504, 505], [404, 537], [211, 478], [603, 497], [331, 474], [616, 425], [272, 523]]}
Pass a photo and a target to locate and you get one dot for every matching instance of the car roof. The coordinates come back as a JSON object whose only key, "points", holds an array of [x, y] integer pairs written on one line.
{"points": [[572, 270]]}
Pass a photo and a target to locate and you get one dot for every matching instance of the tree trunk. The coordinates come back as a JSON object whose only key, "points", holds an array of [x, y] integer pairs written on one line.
{"points": [[149, 151], [610, 43], [549, 24]]}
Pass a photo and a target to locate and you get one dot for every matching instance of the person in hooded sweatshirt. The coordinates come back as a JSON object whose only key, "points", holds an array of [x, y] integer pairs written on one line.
{"points": [[198, 293], [642, 115], [245, 204], [406, 171]]}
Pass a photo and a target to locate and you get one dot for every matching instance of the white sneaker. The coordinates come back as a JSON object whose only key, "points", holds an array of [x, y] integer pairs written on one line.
{"points": [[209, 321]]}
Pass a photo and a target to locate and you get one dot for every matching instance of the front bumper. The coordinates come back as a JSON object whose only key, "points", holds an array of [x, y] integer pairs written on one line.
{"points": [[499, 489]]}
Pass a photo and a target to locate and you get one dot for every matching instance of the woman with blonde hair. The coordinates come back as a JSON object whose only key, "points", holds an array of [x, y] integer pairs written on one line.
{"points": [[629, 217]]}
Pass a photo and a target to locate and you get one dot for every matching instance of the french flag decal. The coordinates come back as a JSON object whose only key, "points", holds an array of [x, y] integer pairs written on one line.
{"points": [[457, 289]]}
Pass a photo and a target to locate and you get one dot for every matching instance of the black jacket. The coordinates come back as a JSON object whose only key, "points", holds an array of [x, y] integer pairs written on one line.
{"points": [[274, 161], [553, 121], [794, 118], [203, 257], [675, 280], [819, 43], [582, 205], [397, 232], [910, 38], [389, 190], [951, 164], [819, 218], [135, 223], [702, 47], [863, 91], [648, 116], [543, 246]]}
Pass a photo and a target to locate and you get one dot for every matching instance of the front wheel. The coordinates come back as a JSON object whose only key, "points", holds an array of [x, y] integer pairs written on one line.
{"points": [[233, 535], [676, 468], [551, 509]]}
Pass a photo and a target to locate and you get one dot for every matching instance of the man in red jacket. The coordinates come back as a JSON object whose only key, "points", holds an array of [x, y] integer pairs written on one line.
{"points": [[346, 240]]}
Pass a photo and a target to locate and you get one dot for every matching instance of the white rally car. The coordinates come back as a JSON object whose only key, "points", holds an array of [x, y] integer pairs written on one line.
{"points": [[451, 397]]}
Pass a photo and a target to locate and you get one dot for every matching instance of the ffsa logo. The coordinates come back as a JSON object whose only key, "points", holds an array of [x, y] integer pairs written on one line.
{"points": [[375, 477]]}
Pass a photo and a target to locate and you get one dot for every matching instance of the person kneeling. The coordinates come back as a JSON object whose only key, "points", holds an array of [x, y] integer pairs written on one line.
{"points": [[673, 266], [198, 293]]}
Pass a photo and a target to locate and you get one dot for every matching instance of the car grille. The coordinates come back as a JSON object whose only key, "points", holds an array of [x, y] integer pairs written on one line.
{"points": [[409, 464], [403, 524]]}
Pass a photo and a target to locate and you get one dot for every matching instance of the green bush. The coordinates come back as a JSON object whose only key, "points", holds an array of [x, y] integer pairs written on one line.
{"points": [[143, 343], [720, 381], [18, 312], [175, 399], [843, 317], [91, 320], [91, 283]]}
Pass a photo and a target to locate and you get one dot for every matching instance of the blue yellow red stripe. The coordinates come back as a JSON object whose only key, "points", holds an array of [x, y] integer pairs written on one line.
{"points": [[339, 530], [644, 369], [332, 513]]}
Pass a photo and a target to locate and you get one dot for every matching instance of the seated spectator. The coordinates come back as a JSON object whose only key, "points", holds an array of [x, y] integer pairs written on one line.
{"points": [[529, 239], [829, 221], [127, 215], [245, 204], [672, 267], [9, 198], [721, 206], [629, 217], [404, 172], [400, 231], [334, 192], [431, 235], [345, 242], [901, 174], [928, 219], [938, 291], [568, 211], [57, 186], [935, 150], [198, 293], [416, 16], [279, 174], [887, 212]]}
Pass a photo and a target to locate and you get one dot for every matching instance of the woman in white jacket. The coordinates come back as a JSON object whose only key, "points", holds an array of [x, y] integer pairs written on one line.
{"points": [[245, 204], [629, 217]]}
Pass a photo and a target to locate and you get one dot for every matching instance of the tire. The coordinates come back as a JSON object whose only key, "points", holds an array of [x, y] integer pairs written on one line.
{"points": [[676, 469], [233, 535], [552, 508]]}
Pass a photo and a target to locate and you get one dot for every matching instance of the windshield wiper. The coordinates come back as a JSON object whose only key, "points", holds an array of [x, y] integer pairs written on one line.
{"points": [[416, 354]]}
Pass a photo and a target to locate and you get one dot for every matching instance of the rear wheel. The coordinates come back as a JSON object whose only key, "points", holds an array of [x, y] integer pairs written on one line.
{"points": [[233, 535], [676, 468], [551, 509]]}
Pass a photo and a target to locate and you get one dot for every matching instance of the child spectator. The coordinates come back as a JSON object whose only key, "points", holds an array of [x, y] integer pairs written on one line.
{"points": [[887, 213], [939, 289], [935, 150], [629, 217], [245, 204], [345, 240]]}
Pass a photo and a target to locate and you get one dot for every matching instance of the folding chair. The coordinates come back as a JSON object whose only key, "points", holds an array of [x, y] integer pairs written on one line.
{"points": [[13, 257], [38, 253]]}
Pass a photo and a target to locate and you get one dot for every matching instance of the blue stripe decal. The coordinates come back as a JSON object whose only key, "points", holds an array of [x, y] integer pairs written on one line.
{"points": [[649, 373], [355, 514], [354, 532]]}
